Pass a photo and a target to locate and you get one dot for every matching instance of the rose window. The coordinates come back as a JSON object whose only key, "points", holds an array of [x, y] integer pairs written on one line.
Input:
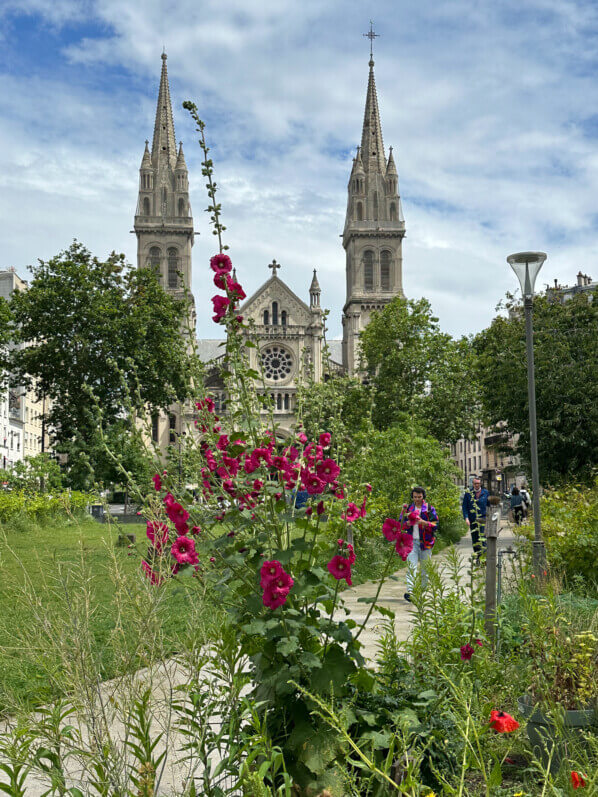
{"points": [[276, 363]]}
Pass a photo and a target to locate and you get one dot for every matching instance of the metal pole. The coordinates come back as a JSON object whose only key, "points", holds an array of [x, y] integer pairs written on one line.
{"points": [[492, 529], [539, 552]]}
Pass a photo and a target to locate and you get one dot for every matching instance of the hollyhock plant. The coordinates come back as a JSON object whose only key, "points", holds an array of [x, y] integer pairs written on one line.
{"points": [[157, 482], [328, 470], [352, 514], [502, 722], [183, 550], [221, 263], [221, 304], [340, 567], [325, 439], [391, 529], [269, 572], [404, 545], [157, 534], [313, 484], [149, 572]]}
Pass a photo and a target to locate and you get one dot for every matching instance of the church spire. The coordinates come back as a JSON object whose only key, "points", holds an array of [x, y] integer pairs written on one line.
{"points": [[164, 141], [372, 146]]}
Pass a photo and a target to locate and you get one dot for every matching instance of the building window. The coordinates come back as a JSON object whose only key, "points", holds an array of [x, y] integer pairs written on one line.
{"points": [[146, 206], [173, 267], [286, 401], [276, 363], [155, 260], [182, 207], [359, 211], [155, 435], [275, 314], [368, 270], [172, 428], [266, 317], [393, 211], [283, 318], [279, 401], [385, 271]]}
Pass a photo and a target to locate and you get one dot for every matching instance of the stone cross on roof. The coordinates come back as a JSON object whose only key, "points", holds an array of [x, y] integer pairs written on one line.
{"points": [[274, 266]]}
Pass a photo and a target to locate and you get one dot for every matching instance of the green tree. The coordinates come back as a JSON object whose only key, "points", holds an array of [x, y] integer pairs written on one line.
{"points": [[416, 370], [101, 341], [37, 473], [566, 367]]}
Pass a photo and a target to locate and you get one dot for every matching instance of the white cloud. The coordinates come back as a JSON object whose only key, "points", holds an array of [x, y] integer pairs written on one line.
{"points": [[487, 107]]}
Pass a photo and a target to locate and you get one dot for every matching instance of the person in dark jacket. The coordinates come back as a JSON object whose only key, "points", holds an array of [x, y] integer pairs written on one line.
{"points": [[475, 504], [517, 505]]}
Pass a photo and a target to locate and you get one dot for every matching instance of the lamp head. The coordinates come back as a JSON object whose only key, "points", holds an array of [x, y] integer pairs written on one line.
{"points": [[527, 266]]}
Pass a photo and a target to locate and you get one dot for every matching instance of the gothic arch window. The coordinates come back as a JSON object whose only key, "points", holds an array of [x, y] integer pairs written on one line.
{"points": [[146, 206], [173, 267], [368, 270], [182, 207], [275, 314], [283, 318], [393, 211], [376, 205], [385, 270], [359, 211], [155, 260], [266, 317]]}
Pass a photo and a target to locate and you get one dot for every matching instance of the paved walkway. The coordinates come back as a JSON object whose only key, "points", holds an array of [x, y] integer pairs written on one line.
{"points": [[163, 680], [392, 593]]}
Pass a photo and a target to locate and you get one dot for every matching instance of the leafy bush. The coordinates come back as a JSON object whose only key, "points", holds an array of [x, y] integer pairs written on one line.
{"points": [[570, 528], [41, 506]]}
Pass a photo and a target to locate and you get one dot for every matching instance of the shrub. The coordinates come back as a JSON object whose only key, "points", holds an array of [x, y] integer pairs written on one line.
{"points": [[41, 506]]}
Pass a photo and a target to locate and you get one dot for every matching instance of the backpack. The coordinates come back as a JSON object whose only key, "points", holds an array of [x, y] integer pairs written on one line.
{"points": [[525, 497]]}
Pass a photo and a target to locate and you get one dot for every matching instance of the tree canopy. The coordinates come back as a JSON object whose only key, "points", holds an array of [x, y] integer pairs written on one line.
{"points": [[416, 370], [566, 369], [99, 339]]}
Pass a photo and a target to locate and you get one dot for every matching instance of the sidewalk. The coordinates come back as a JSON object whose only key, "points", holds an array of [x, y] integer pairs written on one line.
{"points": [[392, 593]]}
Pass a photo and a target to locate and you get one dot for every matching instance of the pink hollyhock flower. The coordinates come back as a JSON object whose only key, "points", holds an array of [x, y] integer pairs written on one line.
{"points": [[479, 642], [250, 465], [362, 511], [302, 438], [236, 291], [223, 442], [292, 453], [157, 482], [352, 513], [340, 542], [221, 263], [320, 508], [221, 304], [273, 597], [309, 511], [183, 550], [466, 652], [276, 589], [351, 554], [206, 403], [221, 280], [280, 463], [414, 517], [339, 567], [157, 534], [176, 512], [258, 484], [391, 529], [404, 545], [325, 439], [195, 530], [328, 470], [340, 494], [313, 484], [259, 454], [239, 319], [150, 573], [368, 487], [269, 572]]}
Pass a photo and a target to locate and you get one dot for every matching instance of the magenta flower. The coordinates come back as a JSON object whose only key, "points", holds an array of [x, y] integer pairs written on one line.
{"points": [[479, 642], [221, 304], [150, 573], [339, 567], [276, 589], [325, 439], [157, 534], [313, 484], [353, 513], [269, 572], [223, 442], [183, 550], [274, 597], [302, 438], [157, 482], [236, 291], [391, 529], [404, 545], [221, 263], [320, 508], [466, 652], [177, 514], [362, 511], [351, 554], [206, 403], [328, 470]]}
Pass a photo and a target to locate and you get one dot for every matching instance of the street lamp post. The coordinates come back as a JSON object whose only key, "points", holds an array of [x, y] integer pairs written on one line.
{"points": [[526, 266]]}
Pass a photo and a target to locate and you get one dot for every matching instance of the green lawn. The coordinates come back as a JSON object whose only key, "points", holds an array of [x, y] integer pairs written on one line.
{"points": [[62, 572]]}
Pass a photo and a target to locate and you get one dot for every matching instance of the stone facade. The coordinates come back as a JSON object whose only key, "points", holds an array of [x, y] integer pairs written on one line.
{"points": [[288, 332]]}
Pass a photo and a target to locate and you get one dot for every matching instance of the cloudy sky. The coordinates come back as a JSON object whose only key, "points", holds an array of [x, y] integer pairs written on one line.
{"points": [[492, 108]]}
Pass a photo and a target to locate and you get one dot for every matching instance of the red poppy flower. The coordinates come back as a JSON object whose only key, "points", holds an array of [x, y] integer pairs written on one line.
{"points": [[577, 780], [502, 722]]}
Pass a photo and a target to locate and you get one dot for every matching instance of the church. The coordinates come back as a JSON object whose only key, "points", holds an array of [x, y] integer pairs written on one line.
{"points": [[289, 331]]}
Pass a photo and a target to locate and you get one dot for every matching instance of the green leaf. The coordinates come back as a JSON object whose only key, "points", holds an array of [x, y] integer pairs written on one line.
{"points": [[310, 661], [495, 779], [287, 646]]}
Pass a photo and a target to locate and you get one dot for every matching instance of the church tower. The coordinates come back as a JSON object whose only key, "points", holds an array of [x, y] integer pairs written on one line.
{"points": [[163, 221], [374, 231]]}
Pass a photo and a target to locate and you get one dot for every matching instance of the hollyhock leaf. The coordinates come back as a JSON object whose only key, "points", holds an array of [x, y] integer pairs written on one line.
{"points": [[287, 646], [369, 599], [380, 739]]}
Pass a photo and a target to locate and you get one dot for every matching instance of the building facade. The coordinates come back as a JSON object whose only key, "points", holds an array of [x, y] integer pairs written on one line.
{"points": [[288, 331]]}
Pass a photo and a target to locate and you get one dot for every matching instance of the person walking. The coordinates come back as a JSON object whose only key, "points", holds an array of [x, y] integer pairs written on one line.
{"points": [[527, 501], [474, 506], [517, 505], [419, 519]]}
